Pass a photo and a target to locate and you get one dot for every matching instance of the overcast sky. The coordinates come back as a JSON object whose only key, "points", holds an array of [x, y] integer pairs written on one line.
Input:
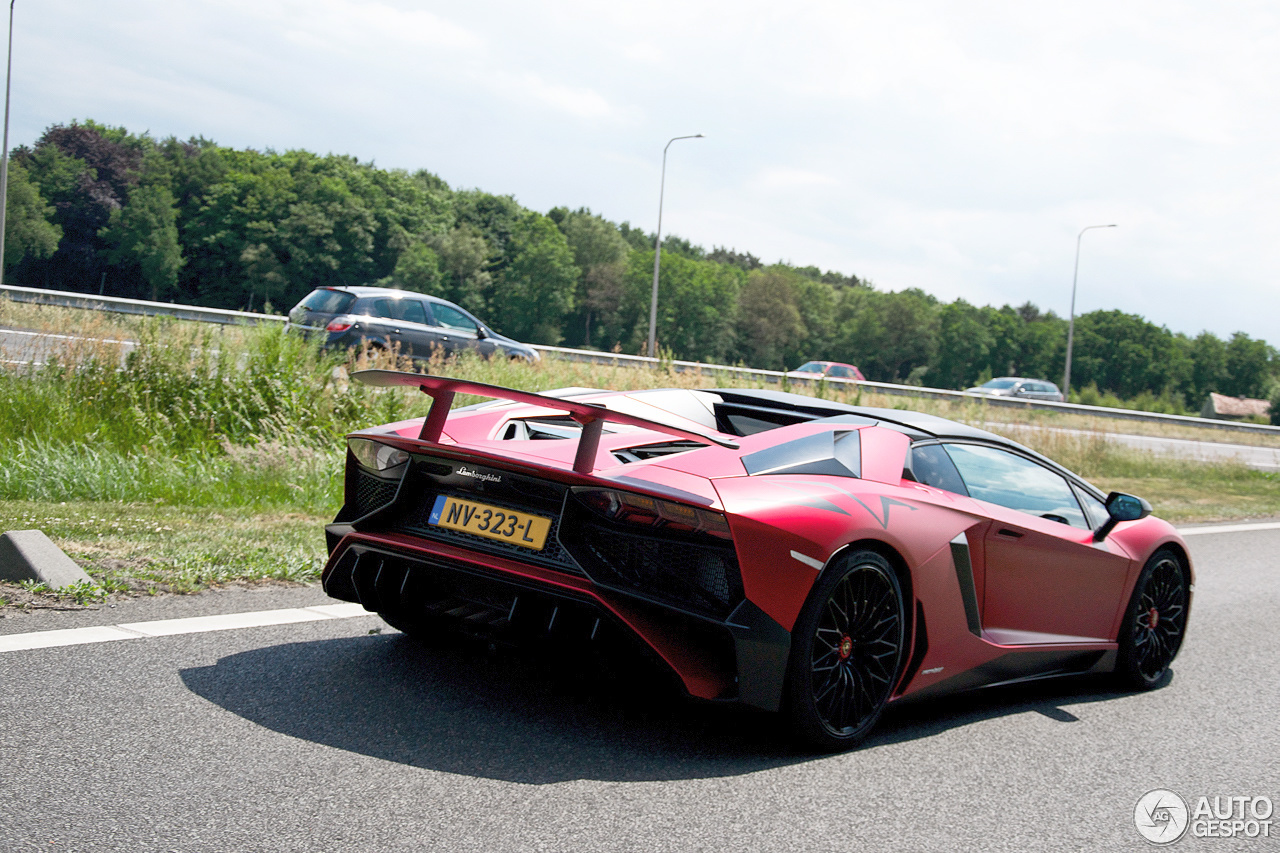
{"points": [[954, 147]]}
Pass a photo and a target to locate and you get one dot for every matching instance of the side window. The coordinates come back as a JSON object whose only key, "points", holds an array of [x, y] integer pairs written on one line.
{"points": [[411, 311], [1004, 478], [933, 467], [452, 318], [839, 372], [1094, 508]]}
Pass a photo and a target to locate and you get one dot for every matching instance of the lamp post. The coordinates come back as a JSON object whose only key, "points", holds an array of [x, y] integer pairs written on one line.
{"points": [[4, 156], [657, 248], [1071, 324]]}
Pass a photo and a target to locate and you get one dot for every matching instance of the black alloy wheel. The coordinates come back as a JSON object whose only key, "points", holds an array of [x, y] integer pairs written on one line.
{"points": [[1155, 622], [847, 651]]}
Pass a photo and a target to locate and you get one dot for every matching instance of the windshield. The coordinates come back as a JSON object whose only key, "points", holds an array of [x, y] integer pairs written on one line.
{"points": [[1000, 383], [811, 367]]}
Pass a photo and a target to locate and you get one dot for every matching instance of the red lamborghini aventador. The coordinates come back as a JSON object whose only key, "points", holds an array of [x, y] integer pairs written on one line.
{"points": [[776, 550]]}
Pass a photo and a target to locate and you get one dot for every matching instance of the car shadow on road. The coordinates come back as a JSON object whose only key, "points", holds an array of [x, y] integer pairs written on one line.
{"points": [[460, 708]]}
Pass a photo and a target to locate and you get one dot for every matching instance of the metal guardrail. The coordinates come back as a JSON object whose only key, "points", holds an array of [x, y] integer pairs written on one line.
{"points": [[776, 377], [773, 377], [117, 305]]}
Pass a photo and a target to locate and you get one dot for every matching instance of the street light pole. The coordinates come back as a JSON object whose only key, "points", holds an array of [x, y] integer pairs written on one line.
{"points": [[4, 156], [1071, 324], [657, 249]]}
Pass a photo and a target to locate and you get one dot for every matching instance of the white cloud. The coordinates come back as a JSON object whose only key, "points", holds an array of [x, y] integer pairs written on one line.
{"points": [[956, 148]]}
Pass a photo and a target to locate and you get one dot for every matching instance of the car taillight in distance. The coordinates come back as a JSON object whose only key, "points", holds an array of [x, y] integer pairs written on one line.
{"points": [[339, 324]]}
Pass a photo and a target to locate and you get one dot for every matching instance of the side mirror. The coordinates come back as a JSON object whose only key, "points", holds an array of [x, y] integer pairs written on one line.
{"points": [[481, 334], [1121, 507]]}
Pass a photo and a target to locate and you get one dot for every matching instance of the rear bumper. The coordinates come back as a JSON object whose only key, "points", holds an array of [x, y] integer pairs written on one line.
{"points": [[742, 658]]}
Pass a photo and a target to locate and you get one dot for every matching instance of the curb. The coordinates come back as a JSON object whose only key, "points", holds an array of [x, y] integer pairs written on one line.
{"points": [[30, 555]]}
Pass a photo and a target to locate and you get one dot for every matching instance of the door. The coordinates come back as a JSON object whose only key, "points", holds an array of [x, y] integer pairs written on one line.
{"points": [[418, 338], [459, 331], [401, 323], [1046, 580]]}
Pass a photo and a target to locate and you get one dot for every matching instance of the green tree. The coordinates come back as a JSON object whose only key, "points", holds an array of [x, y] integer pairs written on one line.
{"points": [[86, 171], [769, 320], [535, 291], [1248, 366], [1005, 329], [600, 252], [697, 306], [816, 300], [27, 229], [464, 256], [892, 337], [1042, 345], [1127, 355], [418, 268], [144, 233], [964, 346], [1208, 355], [495, 217]]}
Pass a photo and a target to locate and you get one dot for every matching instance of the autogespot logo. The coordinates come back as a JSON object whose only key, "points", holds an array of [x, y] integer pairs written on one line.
{"points": [[1161, 816]]}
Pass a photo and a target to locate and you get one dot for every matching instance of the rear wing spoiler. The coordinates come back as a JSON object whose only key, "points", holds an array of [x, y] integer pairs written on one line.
{"points": [[592, 417]]}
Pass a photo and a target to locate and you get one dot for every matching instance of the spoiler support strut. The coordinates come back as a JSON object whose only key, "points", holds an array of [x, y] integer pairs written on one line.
{"points": [[592, 417]]}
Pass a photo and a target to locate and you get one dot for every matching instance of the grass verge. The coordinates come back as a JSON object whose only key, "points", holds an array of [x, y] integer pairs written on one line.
{"points": [[147, 549], [213, 456]]}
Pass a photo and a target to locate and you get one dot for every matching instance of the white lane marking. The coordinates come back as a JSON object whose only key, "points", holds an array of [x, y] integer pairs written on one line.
{"points": [[171, 627], [66, 637], [227, 622], [807, 560], [339, 611], [263, 618], [1229, 528], [52, 336]]}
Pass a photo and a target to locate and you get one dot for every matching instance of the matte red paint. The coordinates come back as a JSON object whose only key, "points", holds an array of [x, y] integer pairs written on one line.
{"points": [[1050, 587]]}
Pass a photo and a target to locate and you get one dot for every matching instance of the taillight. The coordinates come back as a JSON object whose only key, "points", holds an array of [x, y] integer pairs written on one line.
{"points": [[645, 511], [381, 459], [338, 324]]}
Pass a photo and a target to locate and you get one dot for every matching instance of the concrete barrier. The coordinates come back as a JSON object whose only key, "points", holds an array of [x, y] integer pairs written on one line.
{"points": [[30, 555]]}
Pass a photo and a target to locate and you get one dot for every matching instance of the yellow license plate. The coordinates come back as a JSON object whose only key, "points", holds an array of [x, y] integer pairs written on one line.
{"points": [[493, 522]]}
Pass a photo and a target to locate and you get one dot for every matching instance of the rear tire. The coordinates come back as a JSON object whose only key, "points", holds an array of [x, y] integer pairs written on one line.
{"points": [[847, 650], [1154, 623]]}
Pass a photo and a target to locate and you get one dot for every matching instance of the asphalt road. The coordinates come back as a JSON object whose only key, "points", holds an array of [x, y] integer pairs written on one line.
{"points": [[325, 736], [1251, 456], [23, 346]]}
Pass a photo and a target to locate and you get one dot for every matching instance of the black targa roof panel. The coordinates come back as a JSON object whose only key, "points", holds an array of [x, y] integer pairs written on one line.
{"points": [[916, 424]]}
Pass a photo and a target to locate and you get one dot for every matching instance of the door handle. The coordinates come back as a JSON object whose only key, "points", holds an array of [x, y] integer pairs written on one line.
{"points": [[1010, 534]]}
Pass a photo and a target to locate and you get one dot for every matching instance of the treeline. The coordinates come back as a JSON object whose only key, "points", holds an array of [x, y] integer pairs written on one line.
{"points": [[98, 209]]}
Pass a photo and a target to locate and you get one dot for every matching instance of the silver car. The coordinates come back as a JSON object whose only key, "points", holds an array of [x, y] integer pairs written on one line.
{"points": [[1016, 386]]}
